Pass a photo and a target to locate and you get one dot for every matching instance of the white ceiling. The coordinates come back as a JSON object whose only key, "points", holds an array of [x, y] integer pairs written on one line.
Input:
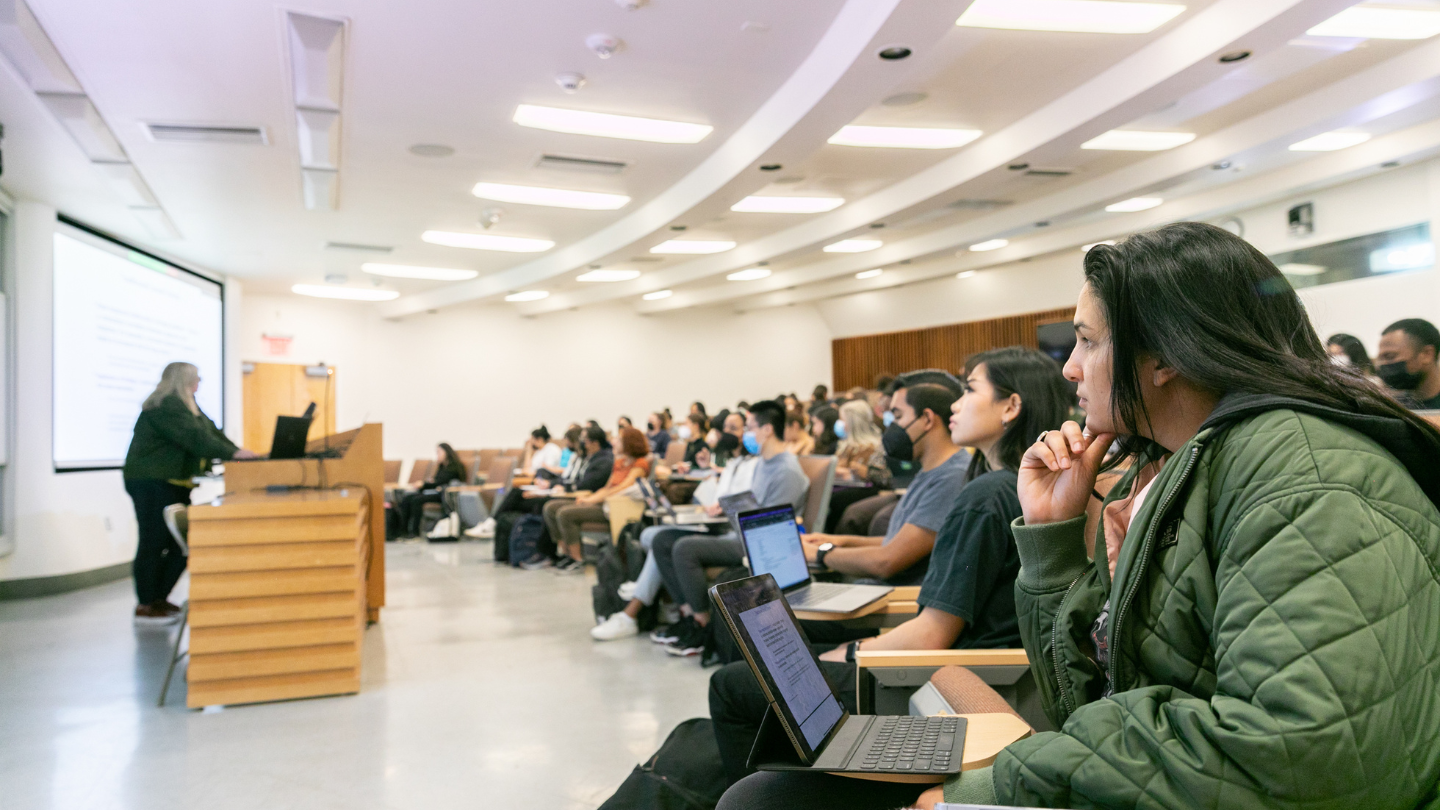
{"points": [[773, 79]]}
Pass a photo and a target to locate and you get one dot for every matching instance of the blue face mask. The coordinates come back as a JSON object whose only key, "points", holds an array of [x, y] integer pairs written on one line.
{"points": [[565, 456], [888, 418], [752, 444], [839, 430]]}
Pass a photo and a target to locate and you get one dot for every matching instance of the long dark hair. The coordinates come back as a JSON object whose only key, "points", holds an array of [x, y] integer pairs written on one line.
{"points": [[1045, 401], [827, 442], [1209, 305], [452, 461]]}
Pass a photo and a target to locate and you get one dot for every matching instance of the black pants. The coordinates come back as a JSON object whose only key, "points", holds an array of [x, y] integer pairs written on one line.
{"points": [[772, 790], [737, 705], [411, 508], [841, 499], [158, 559]]}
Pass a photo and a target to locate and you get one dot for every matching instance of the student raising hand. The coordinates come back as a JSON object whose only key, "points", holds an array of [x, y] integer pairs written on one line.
{"points": [[1057, 473]]}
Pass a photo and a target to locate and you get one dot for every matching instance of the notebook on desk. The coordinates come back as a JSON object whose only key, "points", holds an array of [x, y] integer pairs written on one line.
{"points": [[772, 546], [805, 726]]}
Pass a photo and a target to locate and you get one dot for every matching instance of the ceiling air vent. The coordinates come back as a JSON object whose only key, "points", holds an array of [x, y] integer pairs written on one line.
{"points": [[570, 163], [979, 205], [1048, 173], [356, 246], [202, 132]]}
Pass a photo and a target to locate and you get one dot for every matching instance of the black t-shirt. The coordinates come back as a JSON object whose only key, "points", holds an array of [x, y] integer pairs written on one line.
{"points": [[974, 564]]}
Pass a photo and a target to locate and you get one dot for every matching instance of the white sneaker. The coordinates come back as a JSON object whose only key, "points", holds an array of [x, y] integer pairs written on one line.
{"points": [[626, 591], [617, 626], [485, 529]]}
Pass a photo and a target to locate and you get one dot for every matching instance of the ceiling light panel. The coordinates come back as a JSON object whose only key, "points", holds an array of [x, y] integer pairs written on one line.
{"points": [[787, 205], [527, 295], [1077, 16], [904, 137], [1134, 204], [487, 241], [752, 274], [863, 274], [692, 246], [552, 197], [83, 122], [1368, 22], [606, 125], [412, 271], [853, 246], [1302, 269], [658, 295], [989, 244], [966, 273], [608, 276], [345, 293], [1130, 140], [1087, 248], [1330, 142]]}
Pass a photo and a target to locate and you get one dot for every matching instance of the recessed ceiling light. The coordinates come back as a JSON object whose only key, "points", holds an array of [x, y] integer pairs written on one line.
{"points": [[527, 295], [487, 241], [1330, 141], [904, 137], [787, 205], [693, 246], [869, 273], [966, 273], [1077, 16], [752, 274], [1302, 269], [1380, 23], [605, 276], [989, 244], [432, 150], [346, 293], [411, 271], [553, 197], [853, 246], [605, 125], [1134, 140], [1086, 248], [657, 295], [1134, 204]]}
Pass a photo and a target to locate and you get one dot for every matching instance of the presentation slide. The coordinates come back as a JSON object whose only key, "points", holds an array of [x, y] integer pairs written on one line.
{"points": [[120, 317]]}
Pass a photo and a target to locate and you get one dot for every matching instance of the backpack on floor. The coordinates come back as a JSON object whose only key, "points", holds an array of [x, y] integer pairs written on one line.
{"points": [[685, 774], [504, 524], [524, 538], [610, 573], [720, 645]]}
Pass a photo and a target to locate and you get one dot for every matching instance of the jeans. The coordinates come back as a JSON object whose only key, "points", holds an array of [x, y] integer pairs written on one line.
{"points": [[683, 558], [159, 562], [647, 585]]}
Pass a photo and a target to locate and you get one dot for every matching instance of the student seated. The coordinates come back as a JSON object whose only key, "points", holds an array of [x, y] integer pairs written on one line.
{"points": [[518, 502], [1347, 350], [657, 434], [1409, 362], [798, 440], [778, 480], [967, 599], [596, 466], [632, 463], [860, 470], [410, 508], [542, 456], [919, 433], [822, 429]]}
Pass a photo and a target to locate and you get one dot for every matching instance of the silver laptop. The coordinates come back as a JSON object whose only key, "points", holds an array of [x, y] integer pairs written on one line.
{"points": [[687, 515], [772, 545]]}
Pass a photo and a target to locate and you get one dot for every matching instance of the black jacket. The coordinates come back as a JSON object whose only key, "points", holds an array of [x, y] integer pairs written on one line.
{"points": [[595, 473], [172, 444]]}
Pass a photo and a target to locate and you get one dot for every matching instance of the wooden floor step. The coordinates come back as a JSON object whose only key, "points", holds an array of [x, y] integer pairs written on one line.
{"points": [[273, 687], [250, 664], [275, 635]]}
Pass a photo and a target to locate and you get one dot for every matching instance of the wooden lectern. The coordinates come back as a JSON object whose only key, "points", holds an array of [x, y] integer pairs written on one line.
{"points": [[358, 461]]}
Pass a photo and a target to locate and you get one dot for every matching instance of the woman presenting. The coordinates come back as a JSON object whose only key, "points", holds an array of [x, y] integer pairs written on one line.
{"points": [[173, 441]]}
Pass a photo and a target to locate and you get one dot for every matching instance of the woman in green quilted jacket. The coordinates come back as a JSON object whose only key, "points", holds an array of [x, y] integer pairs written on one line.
{"points": [[1258, 623]]}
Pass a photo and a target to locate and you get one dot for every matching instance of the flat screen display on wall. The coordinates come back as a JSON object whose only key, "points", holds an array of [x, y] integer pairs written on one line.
{"points": [[120, 316]]}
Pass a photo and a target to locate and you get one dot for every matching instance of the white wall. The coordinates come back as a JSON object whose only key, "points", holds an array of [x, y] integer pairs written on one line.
{"points": [[482, 376], [60, 523]]}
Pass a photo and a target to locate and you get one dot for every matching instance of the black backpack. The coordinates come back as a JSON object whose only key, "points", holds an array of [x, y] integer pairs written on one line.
{"points": [[612, 568], [685, 774], [524, 538]]}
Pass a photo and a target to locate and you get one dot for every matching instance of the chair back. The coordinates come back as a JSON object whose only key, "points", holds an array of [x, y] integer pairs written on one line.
{"points": [[502, 471], [392, 470], [821, 472], [420, 472], [470, 460], [675, 453], [177, 520]]}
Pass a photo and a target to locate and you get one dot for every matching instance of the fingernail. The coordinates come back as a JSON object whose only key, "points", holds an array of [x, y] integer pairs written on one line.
{"points": [[1077, 447]]}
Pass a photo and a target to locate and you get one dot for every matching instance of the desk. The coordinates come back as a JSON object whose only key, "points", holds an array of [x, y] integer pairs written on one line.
{"points": [[893, 608], [277, 595], [985, 736]]}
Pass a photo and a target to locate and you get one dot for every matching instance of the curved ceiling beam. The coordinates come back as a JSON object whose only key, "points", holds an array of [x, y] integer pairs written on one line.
{"points": [[1383, 89], [1412, 144], [1175, 63], [833, 72]]}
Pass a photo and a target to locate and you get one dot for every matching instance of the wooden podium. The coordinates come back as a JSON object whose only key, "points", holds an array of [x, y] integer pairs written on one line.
{"points": [[360, 462]]}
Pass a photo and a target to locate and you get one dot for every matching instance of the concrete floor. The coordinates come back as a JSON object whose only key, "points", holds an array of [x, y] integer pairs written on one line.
{"points": [[482, 689]]}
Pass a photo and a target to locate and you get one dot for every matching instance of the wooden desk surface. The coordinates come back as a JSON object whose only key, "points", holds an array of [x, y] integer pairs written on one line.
{"points": [[985, 736]]}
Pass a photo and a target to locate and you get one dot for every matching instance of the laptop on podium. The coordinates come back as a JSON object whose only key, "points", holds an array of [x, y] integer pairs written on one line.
{"points": [[772, 545], [290, 434]]}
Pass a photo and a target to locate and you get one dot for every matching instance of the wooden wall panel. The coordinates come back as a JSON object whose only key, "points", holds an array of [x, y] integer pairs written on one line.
{"points": [[860, 360]]}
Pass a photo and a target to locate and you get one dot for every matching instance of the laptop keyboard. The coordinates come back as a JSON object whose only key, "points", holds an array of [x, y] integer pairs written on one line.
{"points": [[818, 592], [912, 744]]}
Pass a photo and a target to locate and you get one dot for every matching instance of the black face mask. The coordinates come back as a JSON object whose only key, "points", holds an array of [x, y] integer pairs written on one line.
{"points": [[897, 443], [727, 443], [1395, 376]]}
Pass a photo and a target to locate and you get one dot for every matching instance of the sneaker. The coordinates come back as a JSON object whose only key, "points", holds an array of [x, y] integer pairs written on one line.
{"points": [[536, 563], [671, 633], [691, 642], [152, 616], [483, 530], [565, 564], [618, 625], [626, 591]]}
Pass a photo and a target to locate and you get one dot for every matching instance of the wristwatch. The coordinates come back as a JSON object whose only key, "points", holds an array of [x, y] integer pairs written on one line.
{"points": [[821, 551]]}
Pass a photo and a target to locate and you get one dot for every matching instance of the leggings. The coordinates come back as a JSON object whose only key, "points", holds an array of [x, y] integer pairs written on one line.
{"points": [[647, 585], [158, 559], [683, 558], [412, 508]]}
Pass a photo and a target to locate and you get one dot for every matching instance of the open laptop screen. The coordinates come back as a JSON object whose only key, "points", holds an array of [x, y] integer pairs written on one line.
{"points": [[773, 544], [792, 669]]}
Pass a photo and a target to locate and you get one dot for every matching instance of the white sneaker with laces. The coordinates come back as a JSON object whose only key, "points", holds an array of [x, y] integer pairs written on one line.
{"points": [[626, 591], [617, 626], [485, 529]]}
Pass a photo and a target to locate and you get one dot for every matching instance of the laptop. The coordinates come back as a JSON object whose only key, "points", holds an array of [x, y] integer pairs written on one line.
{"points": [[733, 505], [805, 726], [290, 433], [690, 514], [772, 545]]}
